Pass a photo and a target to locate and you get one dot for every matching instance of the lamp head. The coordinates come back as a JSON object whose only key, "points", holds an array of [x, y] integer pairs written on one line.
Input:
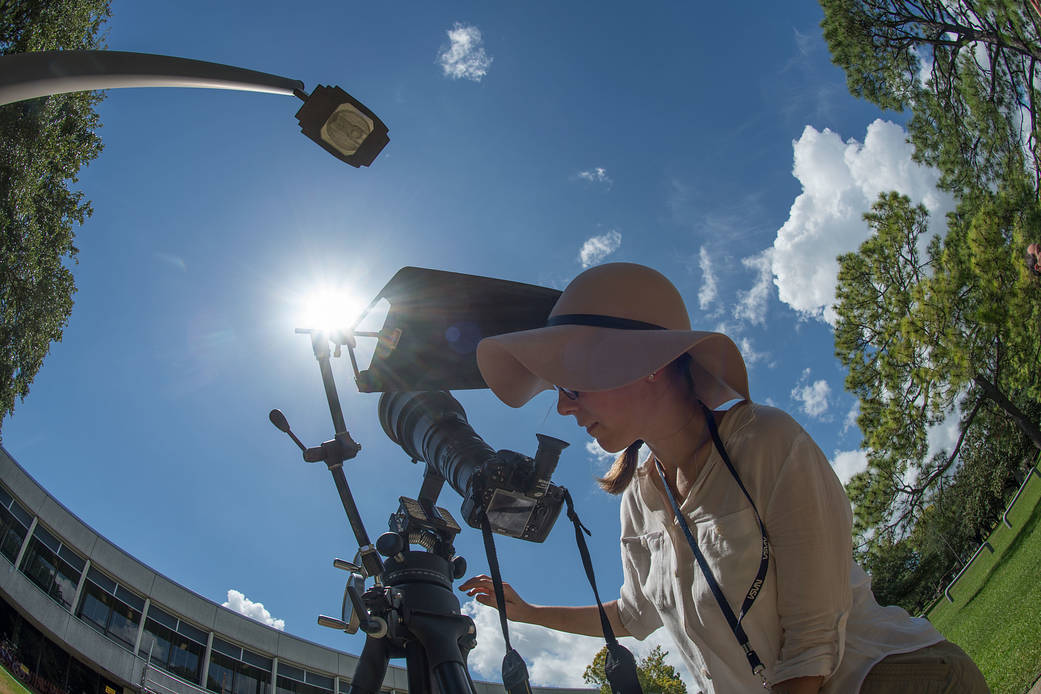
{"points": [[342, 125]]}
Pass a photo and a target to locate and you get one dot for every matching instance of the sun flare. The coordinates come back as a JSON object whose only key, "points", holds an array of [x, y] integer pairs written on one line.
{"points": [[329, 308]]}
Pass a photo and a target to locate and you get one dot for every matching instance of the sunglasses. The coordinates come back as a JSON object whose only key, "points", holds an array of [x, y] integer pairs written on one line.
{"points": [[569, 394]]}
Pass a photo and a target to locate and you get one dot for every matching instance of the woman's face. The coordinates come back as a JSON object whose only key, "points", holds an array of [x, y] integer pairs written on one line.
{"points": [[615, 418]]}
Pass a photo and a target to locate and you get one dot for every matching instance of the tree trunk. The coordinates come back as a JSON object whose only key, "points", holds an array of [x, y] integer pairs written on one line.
{"points": [[1022, 421]]}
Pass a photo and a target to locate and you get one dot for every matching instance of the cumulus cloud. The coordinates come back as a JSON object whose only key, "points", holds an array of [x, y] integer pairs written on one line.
{"points": [[597, 174], [709, 289], [254, 610], [848, 463], [464, 57], [554, 659], [595, 249], [812, 397], [840, 181], [751, 303]]}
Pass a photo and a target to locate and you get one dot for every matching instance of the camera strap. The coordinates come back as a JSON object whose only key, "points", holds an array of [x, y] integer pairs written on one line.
{"points": [[620, 665], [734, 621], [514, 670]]}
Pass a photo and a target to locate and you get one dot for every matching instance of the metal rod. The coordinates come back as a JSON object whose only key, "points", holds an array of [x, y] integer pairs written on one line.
{"points": [[321, 352], [1004, 516], [947, 590], [31, 75], [349, 507]]}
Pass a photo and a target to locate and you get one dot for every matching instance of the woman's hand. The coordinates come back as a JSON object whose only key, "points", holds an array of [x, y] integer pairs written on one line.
{"points": [[482, 589]]}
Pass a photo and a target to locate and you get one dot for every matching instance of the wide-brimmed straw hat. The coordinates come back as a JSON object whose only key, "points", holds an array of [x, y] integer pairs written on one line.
{"points": [[613, 325]]}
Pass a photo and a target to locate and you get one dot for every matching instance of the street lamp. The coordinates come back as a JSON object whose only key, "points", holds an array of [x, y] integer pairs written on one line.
{"points": [[334, 119], [342, 125]]}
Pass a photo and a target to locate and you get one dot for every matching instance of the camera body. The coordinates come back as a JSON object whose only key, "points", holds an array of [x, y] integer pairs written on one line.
{"points": [[513, 490]]}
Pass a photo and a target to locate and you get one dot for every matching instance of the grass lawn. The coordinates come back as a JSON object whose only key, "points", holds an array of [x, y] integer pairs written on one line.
{"points": [[996, 614], [9, 685]]}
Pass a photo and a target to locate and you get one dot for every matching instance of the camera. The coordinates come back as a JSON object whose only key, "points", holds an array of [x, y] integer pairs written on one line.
{"points": [[513, 490]]}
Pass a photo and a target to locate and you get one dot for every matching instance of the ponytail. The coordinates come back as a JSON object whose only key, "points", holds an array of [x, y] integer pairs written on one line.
{"points": [[621, 473]]}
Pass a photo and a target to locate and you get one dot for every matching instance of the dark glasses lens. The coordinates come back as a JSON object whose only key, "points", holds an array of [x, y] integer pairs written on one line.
{"points": [[569, 394]]}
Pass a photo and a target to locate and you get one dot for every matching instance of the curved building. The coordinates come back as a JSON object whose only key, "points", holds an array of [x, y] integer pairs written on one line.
{"points": [[80, 616]]}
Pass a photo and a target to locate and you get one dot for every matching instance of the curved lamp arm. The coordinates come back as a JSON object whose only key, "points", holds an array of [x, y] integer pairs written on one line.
{"points": [[31, 75]]}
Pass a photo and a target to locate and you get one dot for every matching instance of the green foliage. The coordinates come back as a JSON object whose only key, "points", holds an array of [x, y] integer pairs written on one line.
{"points": [[934, 320], [966, 70], [43, 144], [925, 325], [958, 515], [656, 677]]}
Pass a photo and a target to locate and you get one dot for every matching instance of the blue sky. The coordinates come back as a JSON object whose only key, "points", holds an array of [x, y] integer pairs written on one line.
{"points": [[713, 141]]}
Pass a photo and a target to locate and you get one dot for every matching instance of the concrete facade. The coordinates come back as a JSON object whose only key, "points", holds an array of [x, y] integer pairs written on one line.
{"points": [[111, 658]]}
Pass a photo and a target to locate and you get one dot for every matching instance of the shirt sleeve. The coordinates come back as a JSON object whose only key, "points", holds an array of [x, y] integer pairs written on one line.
{"points": [[638, 614], [635, 609], [809, 522]]}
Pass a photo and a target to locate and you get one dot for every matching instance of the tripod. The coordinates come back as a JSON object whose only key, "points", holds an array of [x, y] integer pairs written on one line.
{"points": [[419, 609], [410, 611]]}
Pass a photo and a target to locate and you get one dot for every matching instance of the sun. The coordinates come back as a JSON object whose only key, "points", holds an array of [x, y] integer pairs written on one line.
{"points": [[329, 308]]}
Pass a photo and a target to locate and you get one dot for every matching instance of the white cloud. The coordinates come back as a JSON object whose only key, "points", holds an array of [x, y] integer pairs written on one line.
{"points": [[851, 418], [254, 610], [554, 658], [840, 181], [805, 42], [848, 463], [813, 397], [606, 458], [597, 174], [599, 454], [465, 57], [597, 248], [751, 304], [709, 289], [748, 352], [942, 437]]}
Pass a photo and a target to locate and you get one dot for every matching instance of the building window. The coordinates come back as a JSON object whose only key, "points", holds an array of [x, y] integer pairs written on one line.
{"points": [[111, 608], [52, 566], [14, 524], [174, 645], [235, 670], [294, 680]]}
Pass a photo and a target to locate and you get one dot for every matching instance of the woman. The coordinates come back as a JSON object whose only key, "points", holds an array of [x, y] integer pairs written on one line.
{"points": [[619, 350]]}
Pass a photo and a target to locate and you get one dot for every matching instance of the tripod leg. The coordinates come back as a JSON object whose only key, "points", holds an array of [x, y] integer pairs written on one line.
{"points": [[418, 668], [452, 678], [372, 667]]}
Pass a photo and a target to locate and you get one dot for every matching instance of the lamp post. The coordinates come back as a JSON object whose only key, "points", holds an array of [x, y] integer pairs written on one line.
{"points": [[334, 119]]}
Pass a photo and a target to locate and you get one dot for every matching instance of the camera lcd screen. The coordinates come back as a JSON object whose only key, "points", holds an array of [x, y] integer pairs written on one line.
{"points": [[509, 512]]}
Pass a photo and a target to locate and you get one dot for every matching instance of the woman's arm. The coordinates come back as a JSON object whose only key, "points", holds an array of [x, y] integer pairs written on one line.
{"points": [[574, 620]]}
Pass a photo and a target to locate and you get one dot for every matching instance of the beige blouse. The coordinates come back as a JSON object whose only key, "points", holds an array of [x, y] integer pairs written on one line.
{"points": [[815, 615]]}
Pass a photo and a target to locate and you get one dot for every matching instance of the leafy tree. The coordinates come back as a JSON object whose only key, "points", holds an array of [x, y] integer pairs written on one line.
{"points": [[926, 325], [958, 515], [967, 69], [656, 677], [961, 511], [43, 144], [930, 324]]}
